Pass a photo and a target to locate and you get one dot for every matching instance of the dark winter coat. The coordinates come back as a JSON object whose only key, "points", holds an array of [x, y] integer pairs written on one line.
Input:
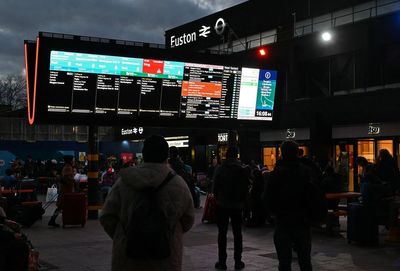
{"points": [[285, 194], [231, 182]]}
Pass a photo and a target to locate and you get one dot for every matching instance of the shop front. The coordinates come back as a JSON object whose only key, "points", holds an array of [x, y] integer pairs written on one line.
{"points": [[364, 140], [272, 139]]}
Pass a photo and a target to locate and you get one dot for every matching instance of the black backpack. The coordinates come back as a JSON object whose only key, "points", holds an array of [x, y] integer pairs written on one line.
{"points": [[149, 232]]}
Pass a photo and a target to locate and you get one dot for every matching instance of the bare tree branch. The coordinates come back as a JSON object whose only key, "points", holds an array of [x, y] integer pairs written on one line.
{"points": [[13, 91]]}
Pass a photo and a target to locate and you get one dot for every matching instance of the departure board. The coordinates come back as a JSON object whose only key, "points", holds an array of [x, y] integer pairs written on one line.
{"points": [[82, 83]]}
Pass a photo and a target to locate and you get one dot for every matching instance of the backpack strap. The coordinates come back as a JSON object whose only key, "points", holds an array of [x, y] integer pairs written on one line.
{"points": [[170, 175]]}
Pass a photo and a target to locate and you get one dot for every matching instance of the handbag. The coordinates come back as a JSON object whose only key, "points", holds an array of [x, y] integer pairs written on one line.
{"points": [[52, 194]]}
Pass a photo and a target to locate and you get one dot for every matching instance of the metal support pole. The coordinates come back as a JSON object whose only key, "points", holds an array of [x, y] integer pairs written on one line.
{"points": [[94, 195]]}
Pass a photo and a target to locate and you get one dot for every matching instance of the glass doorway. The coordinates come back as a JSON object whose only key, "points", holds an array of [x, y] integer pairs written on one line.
{"points": [[269, 157], [222, 152], [365, 148], [384, 144]]}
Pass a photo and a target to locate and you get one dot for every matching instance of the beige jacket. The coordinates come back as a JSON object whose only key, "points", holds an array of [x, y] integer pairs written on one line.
{"points": [[177, 202]]}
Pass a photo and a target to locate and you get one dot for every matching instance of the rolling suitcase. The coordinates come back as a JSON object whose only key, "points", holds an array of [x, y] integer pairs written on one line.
{"points": [[74, 209], [209, 209], [362, 226]]}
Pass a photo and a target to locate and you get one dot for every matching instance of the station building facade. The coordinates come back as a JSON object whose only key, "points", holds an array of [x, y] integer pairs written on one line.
{"points": [[338, 97]]}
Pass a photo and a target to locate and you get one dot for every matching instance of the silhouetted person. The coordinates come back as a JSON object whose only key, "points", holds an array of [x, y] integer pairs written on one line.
{"points": [[67, 183], [178, 166], [230, 191], [388, 171], [9, 180], [258, 213], [372, 188], [285, 197], [210, 173], [174, 198]]}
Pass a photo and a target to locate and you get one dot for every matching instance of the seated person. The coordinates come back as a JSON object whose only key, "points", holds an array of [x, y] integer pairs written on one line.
{"points": [[80, 179], [9, 181], [373, 192], [108, 180]]}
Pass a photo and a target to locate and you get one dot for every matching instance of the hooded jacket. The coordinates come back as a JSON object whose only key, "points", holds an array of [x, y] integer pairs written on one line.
{"points": [[177, 202]]}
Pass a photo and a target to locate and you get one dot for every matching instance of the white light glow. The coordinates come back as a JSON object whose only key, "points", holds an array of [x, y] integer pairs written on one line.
{"points": [[326, 36]]}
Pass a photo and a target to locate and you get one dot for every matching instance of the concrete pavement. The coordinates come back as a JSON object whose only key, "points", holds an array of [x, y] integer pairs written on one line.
{"points": [[89, 248]]}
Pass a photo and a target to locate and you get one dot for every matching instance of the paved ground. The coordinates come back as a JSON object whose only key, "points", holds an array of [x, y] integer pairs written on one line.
{"points": [[89, 248]]}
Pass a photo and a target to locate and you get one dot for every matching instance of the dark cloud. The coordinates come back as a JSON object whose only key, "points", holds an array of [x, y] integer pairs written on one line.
{"points": [[140, 20]]}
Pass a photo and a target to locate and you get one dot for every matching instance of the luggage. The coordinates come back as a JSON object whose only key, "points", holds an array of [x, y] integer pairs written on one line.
{"points": [[209, 209], [362, 225], [74, 210], [27, 213]]}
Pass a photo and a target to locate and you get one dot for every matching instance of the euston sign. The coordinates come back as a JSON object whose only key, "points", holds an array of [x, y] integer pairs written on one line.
{"points": [[132, 131], [203, 32]]}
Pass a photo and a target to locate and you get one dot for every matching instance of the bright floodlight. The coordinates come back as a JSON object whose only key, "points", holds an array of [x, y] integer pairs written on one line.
{"points": [[326, 36]]}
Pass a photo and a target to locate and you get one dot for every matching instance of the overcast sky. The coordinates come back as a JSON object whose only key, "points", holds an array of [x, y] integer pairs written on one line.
{"points": [[139, 20]]}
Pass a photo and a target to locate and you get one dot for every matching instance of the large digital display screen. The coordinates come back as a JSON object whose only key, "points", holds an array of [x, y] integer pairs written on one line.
{"points": [[104, 84], [78, 81]]}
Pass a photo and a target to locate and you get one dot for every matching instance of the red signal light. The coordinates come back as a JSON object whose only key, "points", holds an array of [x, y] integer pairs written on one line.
{"points": [[263, 52]]}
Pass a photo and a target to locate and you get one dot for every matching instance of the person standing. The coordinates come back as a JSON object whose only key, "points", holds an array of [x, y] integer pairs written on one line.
{"points": [[29, 167], [176, 202], [67, 183], [231, 183], [285, 197], [210, 173], [176, 163], [9, 181]]}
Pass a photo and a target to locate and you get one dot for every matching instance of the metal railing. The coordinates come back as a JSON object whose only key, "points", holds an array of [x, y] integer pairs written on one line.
{"points": [[19, 129], [101, 40], [313, 24]]}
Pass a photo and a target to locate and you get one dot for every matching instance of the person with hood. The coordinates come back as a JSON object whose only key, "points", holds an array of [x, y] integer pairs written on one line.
{"points": [[176, 201], [231, 182], [285, 197]]}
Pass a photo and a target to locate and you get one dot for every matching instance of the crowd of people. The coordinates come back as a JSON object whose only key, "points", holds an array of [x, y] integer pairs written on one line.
{"points": [[244, 195]]}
